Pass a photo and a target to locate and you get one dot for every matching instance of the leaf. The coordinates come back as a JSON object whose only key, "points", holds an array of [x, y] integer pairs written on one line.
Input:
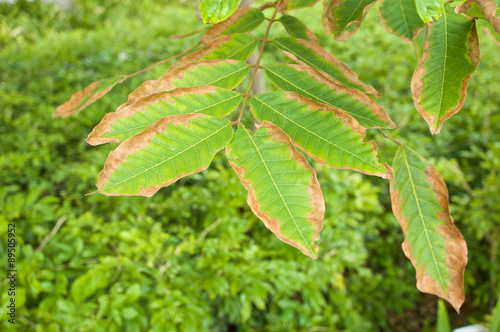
{"points": [[401, 18], [224, 73], [170, 149], [443, 322], [344, 13], [488, 8], [429, 10], [495, 321], [312, 54], [310, 83], [294, 4], [239, 47], [296, 28], [243, 20], [450, 56], [215, 11], [329, 135], [84, 98], [434, 245], [283, 190], [116, 127]]}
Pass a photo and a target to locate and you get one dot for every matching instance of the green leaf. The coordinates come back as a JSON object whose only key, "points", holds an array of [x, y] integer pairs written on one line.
{"points": [[330, 136], [443, 322], [118, 126], [296, 28], [84, 98], [294, 4], [450, 56], [251, 20], [401, 18], [214, 11], [342, 14], [434, 245], [170, 149], [310, 83], [495, 322], [283, 190], [429, 10], [239, 47], [313, 55]]}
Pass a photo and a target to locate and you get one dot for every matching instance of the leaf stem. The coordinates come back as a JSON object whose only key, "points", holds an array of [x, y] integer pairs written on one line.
{"points": [[389, 137], [257, 63]]}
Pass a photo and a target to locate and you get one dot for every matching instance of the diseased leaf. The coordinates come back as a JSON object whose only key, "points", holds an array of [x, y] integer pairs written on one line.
{"points": [[118, 126], [294, 4], [490, 31], [401, 18], [313, 55], [344, 13], [283, 190], [429, 10], [243, 20], [450, 56], [296, 28], [329, 135], [224, 73], [239, 47], [434, 245], [170, 149], [84, 98], [488, 8], [310, 83], [215, 11]]}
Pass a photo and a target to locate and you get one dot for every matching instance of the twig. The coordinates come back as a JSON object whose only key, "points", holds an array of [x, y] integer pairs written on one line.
{"points": [[52, 233], [208, 229], [389, 137]]}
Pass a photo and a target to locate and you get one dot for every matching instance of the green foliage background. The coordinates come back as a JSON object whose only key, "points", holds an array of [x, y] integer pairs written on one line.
{"points": [[194, 257]]}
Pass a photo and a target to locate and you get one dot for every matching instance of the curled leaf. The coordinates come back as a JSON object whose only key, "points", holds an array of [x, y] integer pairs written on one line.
{"points": [[489, 9], [342, 14]]}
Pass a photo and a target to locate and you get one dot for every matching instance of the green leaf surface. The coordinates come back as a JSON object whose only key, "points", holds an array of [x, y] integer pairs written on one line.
{"points": [[432, 242], [401, 18], [313, 55], [172, 148], [296, 28], [342, 14], [330, 136], [226, 74], [248, 22], [429, 10], [443, 321], [214, 11], [294, 4], [283, 190], [311, 84], [239, 47], [450, 56], [118, 126]]}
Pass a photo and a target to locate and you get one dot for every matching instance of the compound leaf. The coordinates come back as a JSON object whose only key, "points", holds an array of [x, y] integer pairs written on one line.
{"points": [[401, 18], [313, 55], [429, 10], [342, 14], [310, 83], [450, 56], [434, 245], [172, 148], [294, 4], [215, 11], [283, 190], [329, 135], [87, 96], [296, 28], [118, 126]]}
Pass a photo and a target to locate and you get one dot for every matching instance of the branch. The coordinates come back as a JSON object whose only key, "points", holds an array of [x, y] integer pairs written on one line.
{"points": [[52, 233]]}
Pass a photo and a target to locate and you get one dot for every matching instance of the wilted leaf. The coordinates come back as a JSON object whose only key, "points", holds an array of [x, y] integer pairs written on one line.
{"points": [[329, 135], [118, 126], [450, 56], [294, 4], [215, 11], [490, 31], [401, 18], [434, 245], [310, 83], [82, 99], [488, 8], [283, 190], [170, 149], [429, 10], [313, 55], [344, 13], [239, 47], [296, 28]]}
